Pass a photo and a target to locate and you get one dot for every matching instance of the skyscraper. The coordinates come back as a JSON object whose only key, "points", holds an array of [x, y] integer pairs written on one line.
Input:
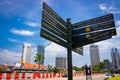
{"points": [[94, 54], [61, 62], [26, 54], [107, 65], [115, 58], [40, 50]]}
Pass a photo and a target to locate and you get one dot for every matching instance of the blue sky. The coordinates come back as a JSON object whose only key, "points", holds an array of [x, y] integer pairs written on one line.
{"points": [[20, 22]]}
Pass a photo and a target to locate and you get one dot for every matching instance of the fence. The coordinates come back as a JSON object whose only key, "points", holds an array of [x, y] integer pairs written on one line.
{"points": [[31, 76]]}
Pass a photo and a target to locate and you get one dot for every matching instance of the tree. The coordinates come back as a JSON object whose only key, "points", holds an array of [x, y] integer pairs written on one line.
{"points": [[76, 68], [82, 68], [99, 67], [39, 57], [96, 68], [49, 68], [55, 70]]}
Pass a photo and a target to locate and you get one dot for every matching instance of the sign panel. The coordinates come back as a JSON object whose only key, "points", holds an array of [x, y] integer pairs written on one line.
{"points": [[78, 50], [113, 32], [88, 71], [93, 21], [83, 43], [54, 14], [95, 27], [52, 21], [93, 35], [45, 34], [52, 29], [91, 38]]}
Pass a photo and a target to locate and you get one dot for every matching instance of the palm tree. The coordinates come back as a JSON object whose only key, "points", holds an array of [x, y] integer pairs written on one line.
{"points": [[40, 58]]}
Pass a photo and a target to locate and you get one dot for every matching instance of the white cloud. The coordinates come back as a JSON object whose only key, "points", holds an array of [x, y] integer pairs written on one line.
{"points": [[109, 9], [32, 24], [50, 2], [54, 49], [110, 43], [14, 40], [102, 7], [118, 31], [9, 56], [22, 32], [118, 23]]}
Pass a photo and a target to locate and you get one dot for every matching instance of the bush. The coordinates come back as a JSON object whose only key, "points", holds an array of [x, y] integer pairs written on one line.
{"points": [[1, 69]]}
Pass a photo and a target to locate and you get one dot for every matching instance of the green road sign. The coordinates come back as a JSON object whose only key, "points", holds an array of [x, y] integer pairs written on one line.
{"points": [[54, 14], [90, 38], [53, 29], [47, 35], [93, 21], [78, 50], [53, 22], [83, 43], [96, 27], [92, 35]]}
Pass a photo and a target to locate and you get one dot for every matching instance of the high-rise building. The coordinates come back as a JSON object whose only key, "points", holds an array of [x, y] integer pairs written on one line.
{"points": [[94, 54], [107, 65], [26, 54], [61, 62], [115, 58], [40, 50]]}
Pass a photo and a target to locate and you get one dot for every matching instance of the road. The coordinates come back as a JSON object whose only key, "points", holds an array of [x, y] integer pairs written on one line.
{"points": [[97, 77]]}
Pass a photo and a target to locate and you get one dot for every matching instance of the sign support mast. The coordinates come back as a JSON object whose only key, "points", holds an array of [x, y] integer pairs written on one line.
{"points": [[69, 49]]}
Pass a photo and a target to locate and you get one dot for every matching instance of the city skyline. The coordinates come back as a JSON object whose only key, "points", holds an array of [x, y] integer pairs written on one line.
{"points": [[21, 22]]}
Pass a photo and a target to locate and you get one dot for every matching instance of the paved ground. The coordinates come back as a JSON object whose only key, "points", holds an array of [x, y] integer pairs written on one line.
{"points": [[97, 77]]}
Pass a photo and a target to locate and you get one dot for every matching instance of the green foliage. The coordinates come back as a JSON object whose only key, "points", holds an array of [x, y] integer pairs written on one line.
{"points": [[10, 67], [96, 68], [79, 69], [99, 67], [55, 70], [1, 69], [39, 57], [62, 71], [76, 68], [50, 68], [82, 68]]}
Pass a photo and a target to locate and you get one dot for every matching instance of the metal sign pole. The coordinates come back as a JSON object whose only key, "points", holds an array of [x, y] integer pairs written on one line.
{"points": [[69, 50]]}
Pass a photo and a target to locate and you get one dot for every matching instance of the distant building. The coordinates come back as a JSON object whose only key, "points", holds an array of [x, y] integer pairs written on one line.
{"points": [[26, 54], [107, 64], [115, 58], [61, 62], [94, 54], [40, 50]]}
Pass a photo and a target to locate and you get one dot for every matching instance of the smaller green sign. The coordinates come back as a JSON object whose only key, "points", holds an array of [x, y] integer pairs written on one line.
{"points": [[78, 50], [47, 35]]}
